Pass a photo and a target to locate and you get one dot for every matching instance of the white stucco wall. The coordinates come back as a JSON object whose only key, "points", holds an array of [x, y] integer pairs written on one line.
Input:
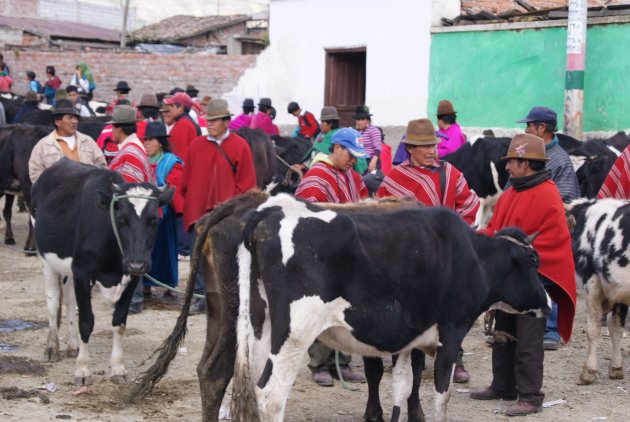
{"points": [[445, 9], [397, 37]]}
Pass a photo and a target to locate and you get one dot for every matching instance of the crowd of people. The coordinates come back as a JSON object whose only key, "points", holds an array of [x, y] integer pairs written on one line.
{"points": [[160, 141]]}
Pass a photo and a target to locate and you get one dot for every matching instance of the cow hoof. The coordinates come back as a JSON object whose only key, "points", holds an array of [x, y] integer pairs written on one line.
{"points": [[51, 355], [9, 241], [72, 353], [587, 377], [615, 373], [83, 381], [119, 379]]}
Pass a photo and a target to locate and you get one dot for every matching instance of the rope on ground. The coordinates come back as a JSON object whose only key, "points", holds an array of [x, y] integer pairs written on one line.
{"points": [[344, 384], [24, 251]]}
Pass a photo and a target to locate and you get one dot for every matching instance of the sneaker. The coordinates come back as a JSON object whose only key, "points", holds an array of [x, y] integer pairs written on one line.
{"points": [[522, 408], [550, 344], [351, 376], [198, 307], [323, 378], [491, 394], [460, 375]]}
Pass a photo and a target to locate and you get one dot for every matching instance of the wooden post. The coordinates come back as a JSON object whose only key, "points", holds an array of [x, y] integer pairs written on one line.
{"points": [[574, 81], [123, 34]]}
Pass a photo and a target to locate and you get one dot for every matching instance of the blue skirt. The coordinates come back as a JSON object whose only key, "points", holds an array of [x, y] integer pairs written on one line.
{"points": [[164, 255]]}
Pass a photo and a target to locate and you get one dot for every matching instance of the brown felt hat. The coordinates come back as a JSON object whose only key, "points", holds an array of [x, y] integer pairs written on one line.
{"points": [[123, 115], [526, 147], [421, 132], [31, 97], [445, 107], [61, 94], [64, 106], [217, 109], [329, 113], [205, 100], [149, 100]]}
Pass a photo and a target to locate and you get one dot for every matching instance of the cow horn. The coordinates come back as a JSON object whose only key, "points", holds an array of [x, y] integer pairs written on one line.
{"points": [[116, 188], [530, 239]]}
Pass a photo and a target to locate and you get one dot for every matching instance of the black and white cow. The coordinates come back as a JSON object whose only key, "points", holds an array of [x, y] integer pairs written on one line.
{"points": [[601, 250], [78, 249], [366, 279]]}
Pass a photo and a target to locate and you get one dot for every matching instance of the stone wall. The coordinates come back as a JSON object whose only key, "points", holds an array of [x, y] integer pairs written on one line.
{"points": [[498, 6], [212, 74]]}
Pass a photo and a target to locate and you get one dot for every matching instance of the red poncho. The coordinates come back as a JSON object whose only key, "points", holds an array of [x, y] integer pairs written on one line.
{"points": [[617, 183], [208, 178], [423, 184], [324, 183], [539, 210]]}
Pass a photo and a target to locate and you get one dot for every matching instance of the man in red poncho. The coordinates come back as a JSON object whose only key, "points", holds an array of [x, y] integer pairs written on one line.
{"points": [[217, 167], [533, 204], [617, 183]]}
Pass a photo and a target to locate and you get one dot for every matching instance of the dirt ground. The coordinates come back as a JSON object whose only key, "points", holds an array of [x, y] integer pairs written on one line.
{"points": [[23, 371]]}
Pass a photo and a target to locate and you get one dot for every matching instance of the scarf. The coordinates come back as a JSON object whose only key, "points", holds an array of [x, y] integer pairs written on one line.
{"points": [[527, 182]]}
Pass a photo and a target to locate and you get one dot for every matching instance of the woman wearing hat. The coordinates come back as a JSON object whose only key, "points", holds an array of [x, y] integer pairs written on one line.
{"points": [[371, 136], [30, 104], [262, 120], [168, 170], [121, 91], [245, 118], [424, 177], [446, 120]]}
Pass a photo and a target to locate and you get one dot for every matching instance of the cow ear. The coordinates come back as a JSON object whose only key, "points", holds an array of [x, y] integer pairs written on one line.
{"points": [[104, 199], [165, 196]]}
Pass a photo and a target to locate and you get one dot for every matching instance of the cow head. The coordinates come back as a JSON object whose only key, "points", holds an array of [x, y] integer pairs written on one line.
{"points": [[520, 290], [135, 212]]}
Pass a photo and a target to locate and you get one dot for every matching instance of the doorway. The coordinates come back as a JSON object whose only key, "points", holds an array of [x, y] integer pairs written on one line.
{"points": [[345, 81]]}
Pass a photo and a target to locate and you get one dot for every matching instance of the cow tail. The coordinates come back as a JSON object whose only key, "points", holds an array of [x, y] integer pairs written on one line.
{"points": [[147, 380]]}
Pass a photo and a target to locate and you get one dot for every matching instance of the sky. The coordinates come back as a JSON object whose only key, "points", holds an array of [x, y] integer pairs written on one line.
{"points": [[150, 11]]}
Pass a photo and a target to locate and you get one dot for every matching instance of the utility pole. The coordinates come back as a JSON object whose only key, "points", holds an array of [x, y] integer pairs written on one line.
{"points": [[574, 80], [123, 34]]}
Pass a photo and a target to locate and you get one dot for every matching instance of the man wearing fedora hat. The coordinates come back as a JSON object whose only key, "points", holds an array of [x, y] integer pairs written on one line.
{"points": [[262, 119], [426, 178], [30, 104], [245, 118], [64, 141], [183, 129], [121, 91], [371, 135], [532, 203], [217, 167], [542, 122], [332, 180], [132, 161], [447, 123]]}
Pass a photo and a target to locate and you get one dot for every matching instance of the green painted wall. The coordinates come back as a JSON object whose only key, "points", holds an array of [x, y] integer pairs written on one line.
{"points": [[494, 78]]}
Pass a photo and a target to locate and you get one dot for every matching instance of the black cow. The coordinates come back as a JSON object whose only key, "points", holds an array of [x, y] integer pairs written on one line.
{"points": [[263, 154], [16, 144], [366, 279], [78, 248], [601, 240], [11, 106]]}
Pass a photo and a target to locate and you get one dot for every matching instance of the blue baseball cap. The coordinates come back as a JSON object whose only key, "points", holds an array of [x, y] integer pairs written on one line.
{"points": [[540, 114], [351, 140]]}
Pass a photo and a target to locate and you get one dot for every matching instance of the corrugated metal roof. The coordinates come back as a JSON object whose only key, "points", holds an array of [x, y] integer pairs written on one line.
{"points": [[61, 29], [182, 26]]}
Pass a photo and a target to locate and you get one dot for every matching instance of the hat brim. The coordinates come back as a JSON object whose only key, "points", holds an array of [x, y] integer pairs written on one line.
{"points": [[216, 117], [356, 154], [361, 116], [126, 122], [508, 157], [422, 143], [525, 120], [65, 111], [156, 137]]}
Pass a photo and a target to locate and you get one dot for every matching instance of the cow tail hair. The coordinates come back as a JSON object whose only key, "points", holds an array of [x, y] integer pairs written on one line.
{"points": [[147, 380]]}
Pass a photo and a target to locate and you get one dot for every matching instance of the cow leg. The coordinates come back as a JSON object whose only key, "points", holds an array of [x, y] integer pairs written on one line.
{"points": [[7, 213], [616, 332], [53, 301], [373, 368], [216, 367], [29, 245], [118, 374], [444, 367], [414, 409], [594, 312], [402, 380], [70, 302], [83, 291]]}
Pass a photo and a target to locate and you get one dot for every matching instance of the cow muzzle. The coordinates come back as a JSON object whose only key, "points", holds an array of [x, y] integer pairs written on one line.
{"points": [[137, 267]]}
